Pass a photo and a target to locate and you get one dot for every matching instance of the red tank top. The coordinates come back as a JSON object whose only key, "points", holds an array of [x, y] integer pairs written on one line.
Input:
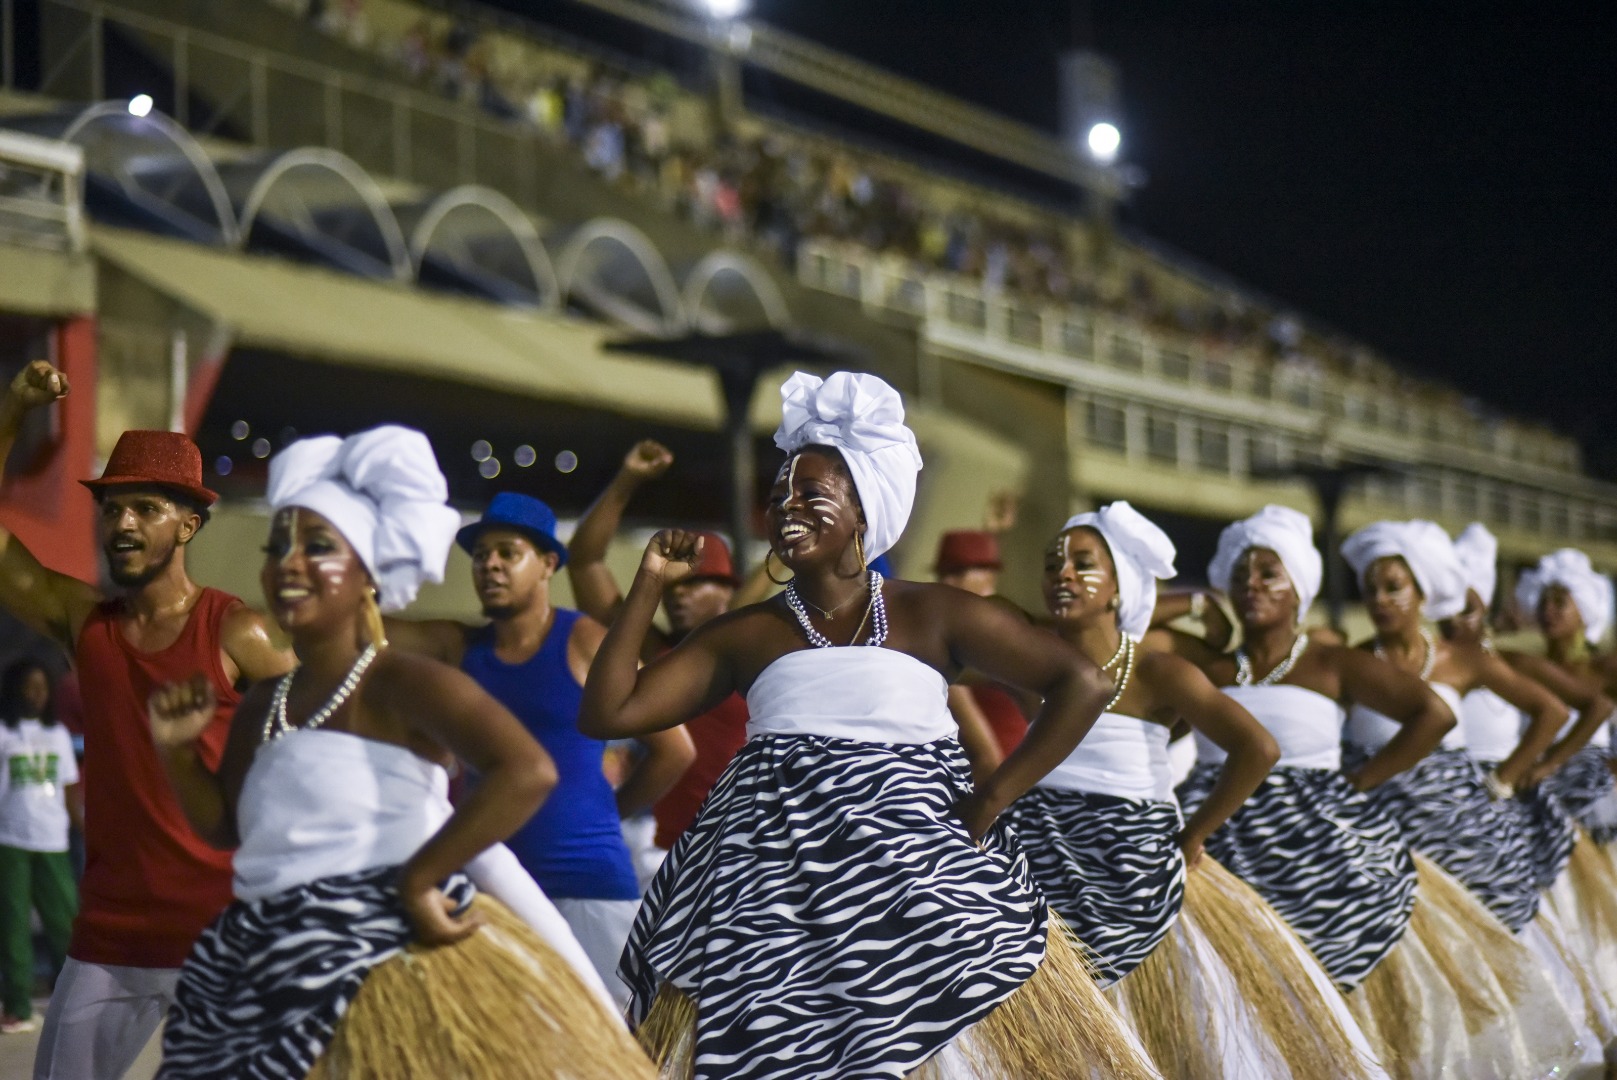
{"points": [[718, 734], [150, 885]]}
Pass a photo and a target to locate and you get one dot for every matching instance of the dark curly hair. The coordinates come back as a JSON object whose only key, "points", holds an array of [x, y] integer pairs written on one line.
{"points": [[11, 683]]}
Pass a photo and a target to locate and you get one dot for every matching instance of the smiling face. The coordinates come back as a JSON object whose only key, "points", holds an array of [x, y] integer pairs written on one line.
{"points": [[1261, 590], [813, 510], [1391, 596], [510, 572], [312, 578], [1558, 615], [140, 531], [1080, 579]]}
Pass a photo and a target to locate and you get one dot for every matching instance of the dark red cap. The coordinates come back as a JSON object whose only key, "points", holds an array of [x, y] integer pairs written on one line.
{"points": [[715, 563], [967, 549], [159, 459]]}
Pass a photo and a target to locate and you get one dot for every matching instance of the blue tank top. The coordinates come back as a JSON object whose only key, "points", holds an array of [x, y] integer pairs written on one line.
{"points": [[573, 846]]}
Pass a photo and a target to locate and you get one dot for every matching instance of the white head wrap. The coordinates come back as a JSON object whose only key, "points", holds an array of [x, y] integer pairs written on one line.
{"points": [[1590, 590], [1141, 552], [383, 491], [862, 417], [1478, 550], [1280, 529], [1428, 552]]}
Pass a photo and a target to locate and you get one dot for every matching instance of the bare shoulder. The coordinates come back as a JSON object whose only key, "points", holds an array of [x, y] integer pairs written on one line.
{"points": [[587, 634], [441, 639], [252, 645]]}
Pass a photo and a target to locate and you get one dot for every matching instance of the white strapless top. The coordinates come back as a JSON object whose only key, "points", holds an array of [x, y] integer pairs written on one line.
{"points": [[1306, 724], [1493, 726], [1372, 730], [1122, 756], [854, 692], [320, 803]]}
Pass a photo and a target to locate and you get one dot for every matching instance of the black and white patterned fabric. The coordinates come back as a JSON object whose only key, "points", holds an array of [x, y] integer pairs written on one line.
{"points": [[830, 916], [1443, 806], [1333, 866], [1111, 867], [1586, 789], [266, 985]]}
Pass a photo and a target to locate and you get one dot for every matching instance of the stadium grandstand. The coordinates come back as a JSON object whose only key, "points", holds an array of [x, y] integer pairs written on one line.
{"points": [[266, 217]]}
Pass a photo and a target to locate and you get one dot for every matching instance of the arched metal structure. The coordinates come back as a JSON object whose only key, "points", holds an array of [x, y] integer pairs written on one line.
{"points": [[611, 267], [324, 201], [483, 237], [156, 164], [726, 291]]}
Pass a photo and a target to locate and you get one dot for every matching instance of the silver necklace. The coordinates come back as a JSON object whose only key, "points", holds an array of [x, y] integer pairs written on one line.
{"points": [[877, 612], [1243, 665], [1431, 654], [276, 724]]}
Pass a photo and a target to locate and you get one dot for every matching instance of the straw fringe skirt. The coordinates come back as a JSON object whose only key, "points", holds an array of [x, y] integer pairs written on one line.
{"points": [[500, 1003], [1056, 1026], [1460, 996], [1231, 994]]}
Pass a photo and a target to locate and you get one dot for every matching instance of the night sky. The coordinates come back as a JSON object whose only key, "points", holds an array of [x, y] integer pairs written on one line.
{"points": [[1431, 178]]}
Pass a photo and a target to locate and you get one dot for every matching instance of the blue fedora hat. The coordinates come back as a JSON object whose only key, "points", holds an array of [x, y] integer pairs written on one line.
{"points": [[525, 514]]}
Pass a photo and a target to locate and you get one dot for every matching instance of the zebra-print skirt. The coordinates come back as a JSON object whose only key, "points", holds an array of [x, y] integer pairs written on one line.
{"points": [[1586, 789], [830, 916], [265, 986], [1329, 863], [1443, 805], [1111, 867], [1550, 830]]}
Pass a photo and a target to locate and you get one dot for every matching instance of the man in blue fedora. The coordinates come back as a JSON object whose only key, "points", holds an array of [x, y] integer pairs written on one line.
{"points": [[533, 656]]}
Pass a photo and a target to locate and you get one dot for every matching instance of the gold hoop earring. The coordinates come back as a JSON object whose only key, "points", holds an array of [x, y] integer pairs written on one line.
{"points": [[859, 547], [770, 575], [373, 620]]}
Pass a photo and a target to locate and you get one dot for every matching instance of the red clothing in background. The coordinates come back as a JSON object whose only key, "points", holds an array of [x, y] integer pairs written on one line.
{"points": [[718, 735], [1005, 718], [150, 884]]}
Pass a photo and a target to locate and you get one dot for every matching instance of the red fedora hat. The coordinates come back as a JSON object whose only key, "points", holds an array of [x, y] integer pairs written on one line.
{"points": [[967, 549], [160, 459], [715, 563]]}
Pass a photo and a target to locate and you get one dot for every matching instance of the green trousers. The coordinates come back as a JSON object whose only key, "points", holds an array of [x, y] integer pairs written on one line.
{"points": [[30, 880]]}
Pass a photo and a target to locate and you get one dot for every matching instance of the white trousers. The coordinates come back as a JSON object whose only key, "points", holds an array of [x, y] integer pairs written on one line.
{"points": [[100, 1019], [602, 927]]}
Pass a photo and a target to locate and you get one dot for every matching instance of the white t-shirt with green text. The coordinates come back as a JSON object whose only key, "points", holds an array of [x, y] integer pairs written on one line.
{"points": [[36, 765]]}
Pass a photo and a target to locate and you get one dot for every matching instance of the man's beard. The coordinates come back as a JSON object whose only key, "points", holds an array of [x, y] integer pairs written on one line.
{"points": [[141, 578], [501, 611]]}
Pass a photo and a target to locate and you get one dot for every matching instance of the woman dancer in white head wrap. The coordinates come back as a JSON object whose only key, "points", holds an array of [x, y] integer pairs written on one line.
{"points": [[333, 789], [1331, 863], [1222, 988], [1409, 570], [1572, 604], [845, 904]]}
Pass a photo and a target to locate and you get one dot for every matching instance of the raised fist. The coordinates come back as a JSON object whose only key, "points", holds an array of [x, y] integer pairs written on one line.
{"points": [[180, 712], [672, 555], [38, 384], [647, 460]]}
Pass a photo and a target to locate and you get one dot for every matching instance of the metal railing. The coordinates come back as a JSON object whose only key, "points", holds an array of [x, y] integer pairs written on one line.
{"points": [[215, 86], [1171, 401], [41, 193]]}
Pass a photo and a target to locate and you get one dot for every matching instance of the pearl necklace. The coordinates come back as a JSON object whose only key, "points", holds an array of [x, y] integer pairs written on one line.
{"points": [[1431, 654], [276, 724], [1243, 665], [875, 611], [1125, 657]]}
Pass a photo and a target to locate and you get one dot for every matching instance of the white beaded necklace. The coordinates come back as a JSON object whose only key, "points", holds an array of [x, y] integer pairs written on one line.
{"points": [[875, 611], [276, 724], [1243, 665], [1431, 654], [1124, 657]]}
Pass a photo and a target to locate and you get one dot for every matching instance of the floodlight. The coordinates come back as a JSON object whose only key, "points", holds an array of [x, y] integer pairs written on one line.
{"points": [[1104, 140]]}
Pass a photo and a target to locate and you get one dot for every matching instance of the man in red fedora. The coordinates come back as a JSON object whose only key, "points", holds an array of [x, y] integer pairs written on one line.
{"points": [[688, 603], [150, 884]]}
